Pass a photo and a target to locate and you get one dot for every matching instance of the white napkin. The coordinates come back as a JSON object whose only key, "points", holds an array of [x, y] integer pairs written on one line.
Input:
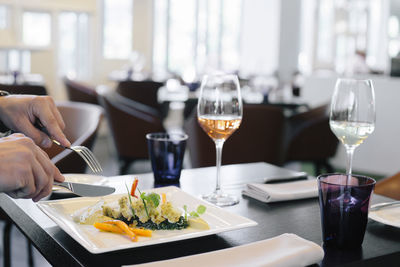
{"points": [[286, 250], [282, 191]]}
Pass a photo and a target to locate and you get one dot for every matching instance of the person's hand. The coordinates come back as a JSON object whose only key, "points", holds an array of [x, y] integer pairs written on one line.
{"points": [[25, 170], [19, 112]]}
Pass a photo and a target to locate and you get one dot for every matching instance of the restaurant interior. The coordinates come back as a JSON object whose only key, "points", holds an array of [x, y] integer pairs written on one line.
{"points": [[119, 69]]}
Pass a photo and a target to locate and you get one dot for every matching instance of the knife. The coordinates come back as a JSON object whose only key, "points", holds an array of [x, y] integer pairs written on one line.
{"points": [[86, 190]]}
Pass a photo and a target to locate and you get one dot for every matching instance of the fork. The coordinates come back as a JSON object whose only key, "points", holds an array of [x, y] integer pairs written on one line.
{"points": [[85, 153]]}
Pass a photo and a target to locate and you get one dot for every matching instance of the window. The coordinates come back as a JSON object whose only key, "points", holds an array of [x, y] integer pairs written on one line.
{"points": [[196, 35], [340, 32], [182, 35], [117, 28], [36, 28], [73, 46], [160, 43], [15, 60], [3, 17]]}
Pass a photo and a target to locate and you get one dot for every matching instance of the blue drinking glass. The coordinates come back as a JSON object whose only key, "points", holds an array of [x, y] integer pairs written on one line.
{"points": [[344, 208], [166, 151]]}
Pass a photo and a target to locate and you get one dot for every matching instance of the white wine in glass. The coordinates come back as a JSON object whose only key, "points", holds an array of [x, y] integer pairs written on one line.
{"points": [[219, 113], [352, 117]]}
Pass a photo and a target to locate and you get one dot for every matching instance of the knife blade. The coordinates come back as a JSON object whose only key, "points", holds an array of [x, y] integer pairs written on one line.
{"points": [[86, 190]]}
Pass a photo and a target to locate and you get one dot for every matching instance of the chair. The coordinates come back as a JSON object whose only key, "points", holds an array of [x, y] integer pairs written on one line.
{"points": [[80, 92], [310, 139], [144, 92], [26, 89], [259, 138], [129, 122], [389, 186], [82, 122]]}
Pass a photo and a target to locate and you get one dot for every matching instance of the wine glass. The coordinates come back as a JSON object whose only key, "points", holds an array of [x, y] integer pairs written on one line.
{"points": [[219, 113], [352, 117]]}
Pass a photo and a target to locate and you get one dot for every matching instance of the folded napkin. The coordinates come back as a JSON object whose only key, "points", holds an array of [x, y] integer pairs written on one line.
{"points": [[285, 250], [282, 191]]}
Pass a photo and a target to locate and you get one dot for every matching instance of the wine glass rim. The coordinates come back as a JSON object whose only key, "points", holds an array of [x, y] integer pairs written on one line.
{"points": [[220, 75], [354, 80]]}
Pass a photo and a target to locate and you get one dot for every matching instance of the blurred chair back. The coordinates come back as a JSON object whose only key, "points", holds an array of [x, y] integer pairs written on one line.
{"points": [[129, 122], [80, 92], [259, 138], [310, 139], [82, 122], [389, 187], [25, 89], [144, 92]]}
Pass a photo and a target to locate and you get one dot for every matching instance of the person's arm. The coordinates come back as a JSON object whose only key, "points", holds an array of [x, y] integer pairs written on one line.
{"points": [[25, 170], [19, 113]]}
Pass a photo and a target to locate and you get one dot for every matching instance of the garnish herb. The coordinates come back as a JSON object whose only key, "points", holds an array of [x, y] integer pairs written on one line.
{"points": [[151, 197], [186, 212], [200, 210], [130, 200], [144, 203]]}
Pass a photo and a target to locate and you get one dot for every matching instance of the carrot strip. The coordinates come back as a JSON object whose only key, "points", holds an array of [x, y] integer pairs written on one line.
{"points": [[142, 232], [124, 227], [108, 228], [164, 197], [133, 188]]}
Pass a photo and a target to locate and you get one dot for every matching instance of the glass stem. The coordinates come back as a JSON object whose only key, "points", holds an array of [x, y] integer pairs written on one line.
{"points": [[349, 165], [218, 146]]}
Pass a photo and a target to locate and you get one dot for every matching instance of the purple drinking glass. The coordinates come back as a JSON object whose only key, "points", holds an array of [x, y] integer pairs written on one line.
{"points": [[344, 208], [166, 151]]}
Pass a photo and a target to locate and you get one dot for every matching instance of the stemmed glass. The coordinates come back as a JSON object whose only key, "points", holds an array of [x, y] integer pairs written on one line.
{"points": [[219, 113], [352, 117]]}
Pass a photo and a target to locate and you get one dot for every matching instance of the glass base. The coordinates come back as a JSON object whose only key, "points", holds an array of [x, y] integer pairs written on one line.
{"points": [[221, 199]]}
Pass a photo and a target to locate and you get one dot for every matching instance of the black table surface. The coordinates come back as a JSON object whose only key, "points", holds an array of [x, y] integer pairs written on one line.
{"points": [[302, 217]]}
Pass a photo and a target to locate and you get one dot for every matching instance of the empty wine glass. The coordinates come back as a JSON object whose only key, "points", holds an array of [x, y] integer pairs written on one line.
{"points": [[219, 113], [352, 117]]}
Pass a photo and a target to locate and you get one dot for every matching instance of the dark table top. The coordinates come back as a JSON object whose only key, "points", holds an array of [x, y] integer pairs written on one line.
{"points": [[381, 244]]}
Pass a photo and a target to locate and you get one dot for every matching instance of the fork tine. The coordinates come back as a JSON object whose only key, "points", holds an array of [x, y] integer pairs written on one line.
{"points": [[92, 159], [83, 156], [90, 154], [90, 162], [86, 154]]}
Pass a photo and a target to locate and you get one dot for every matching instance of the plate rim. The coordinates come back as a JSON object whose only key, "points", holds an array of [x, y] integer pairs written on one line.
{"points": [[373, 216], [72, 232]]}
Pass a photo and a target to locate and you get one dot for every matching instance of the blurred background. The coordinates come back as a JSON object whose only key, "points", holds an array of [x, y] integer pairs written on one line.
{"points": [[287, 52]]}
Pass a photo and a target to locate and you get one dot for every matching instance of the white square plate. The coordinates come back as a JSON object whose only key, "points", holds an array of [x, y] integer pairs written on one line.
{"points": [[387, 215], [60, 211]]}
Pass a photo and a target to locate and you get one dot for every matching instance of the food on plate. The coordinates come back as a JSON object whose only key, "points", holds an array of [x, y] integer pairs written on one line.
{"points": [[198, 223], [146, 212], [134, 215], [92, 214]]}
